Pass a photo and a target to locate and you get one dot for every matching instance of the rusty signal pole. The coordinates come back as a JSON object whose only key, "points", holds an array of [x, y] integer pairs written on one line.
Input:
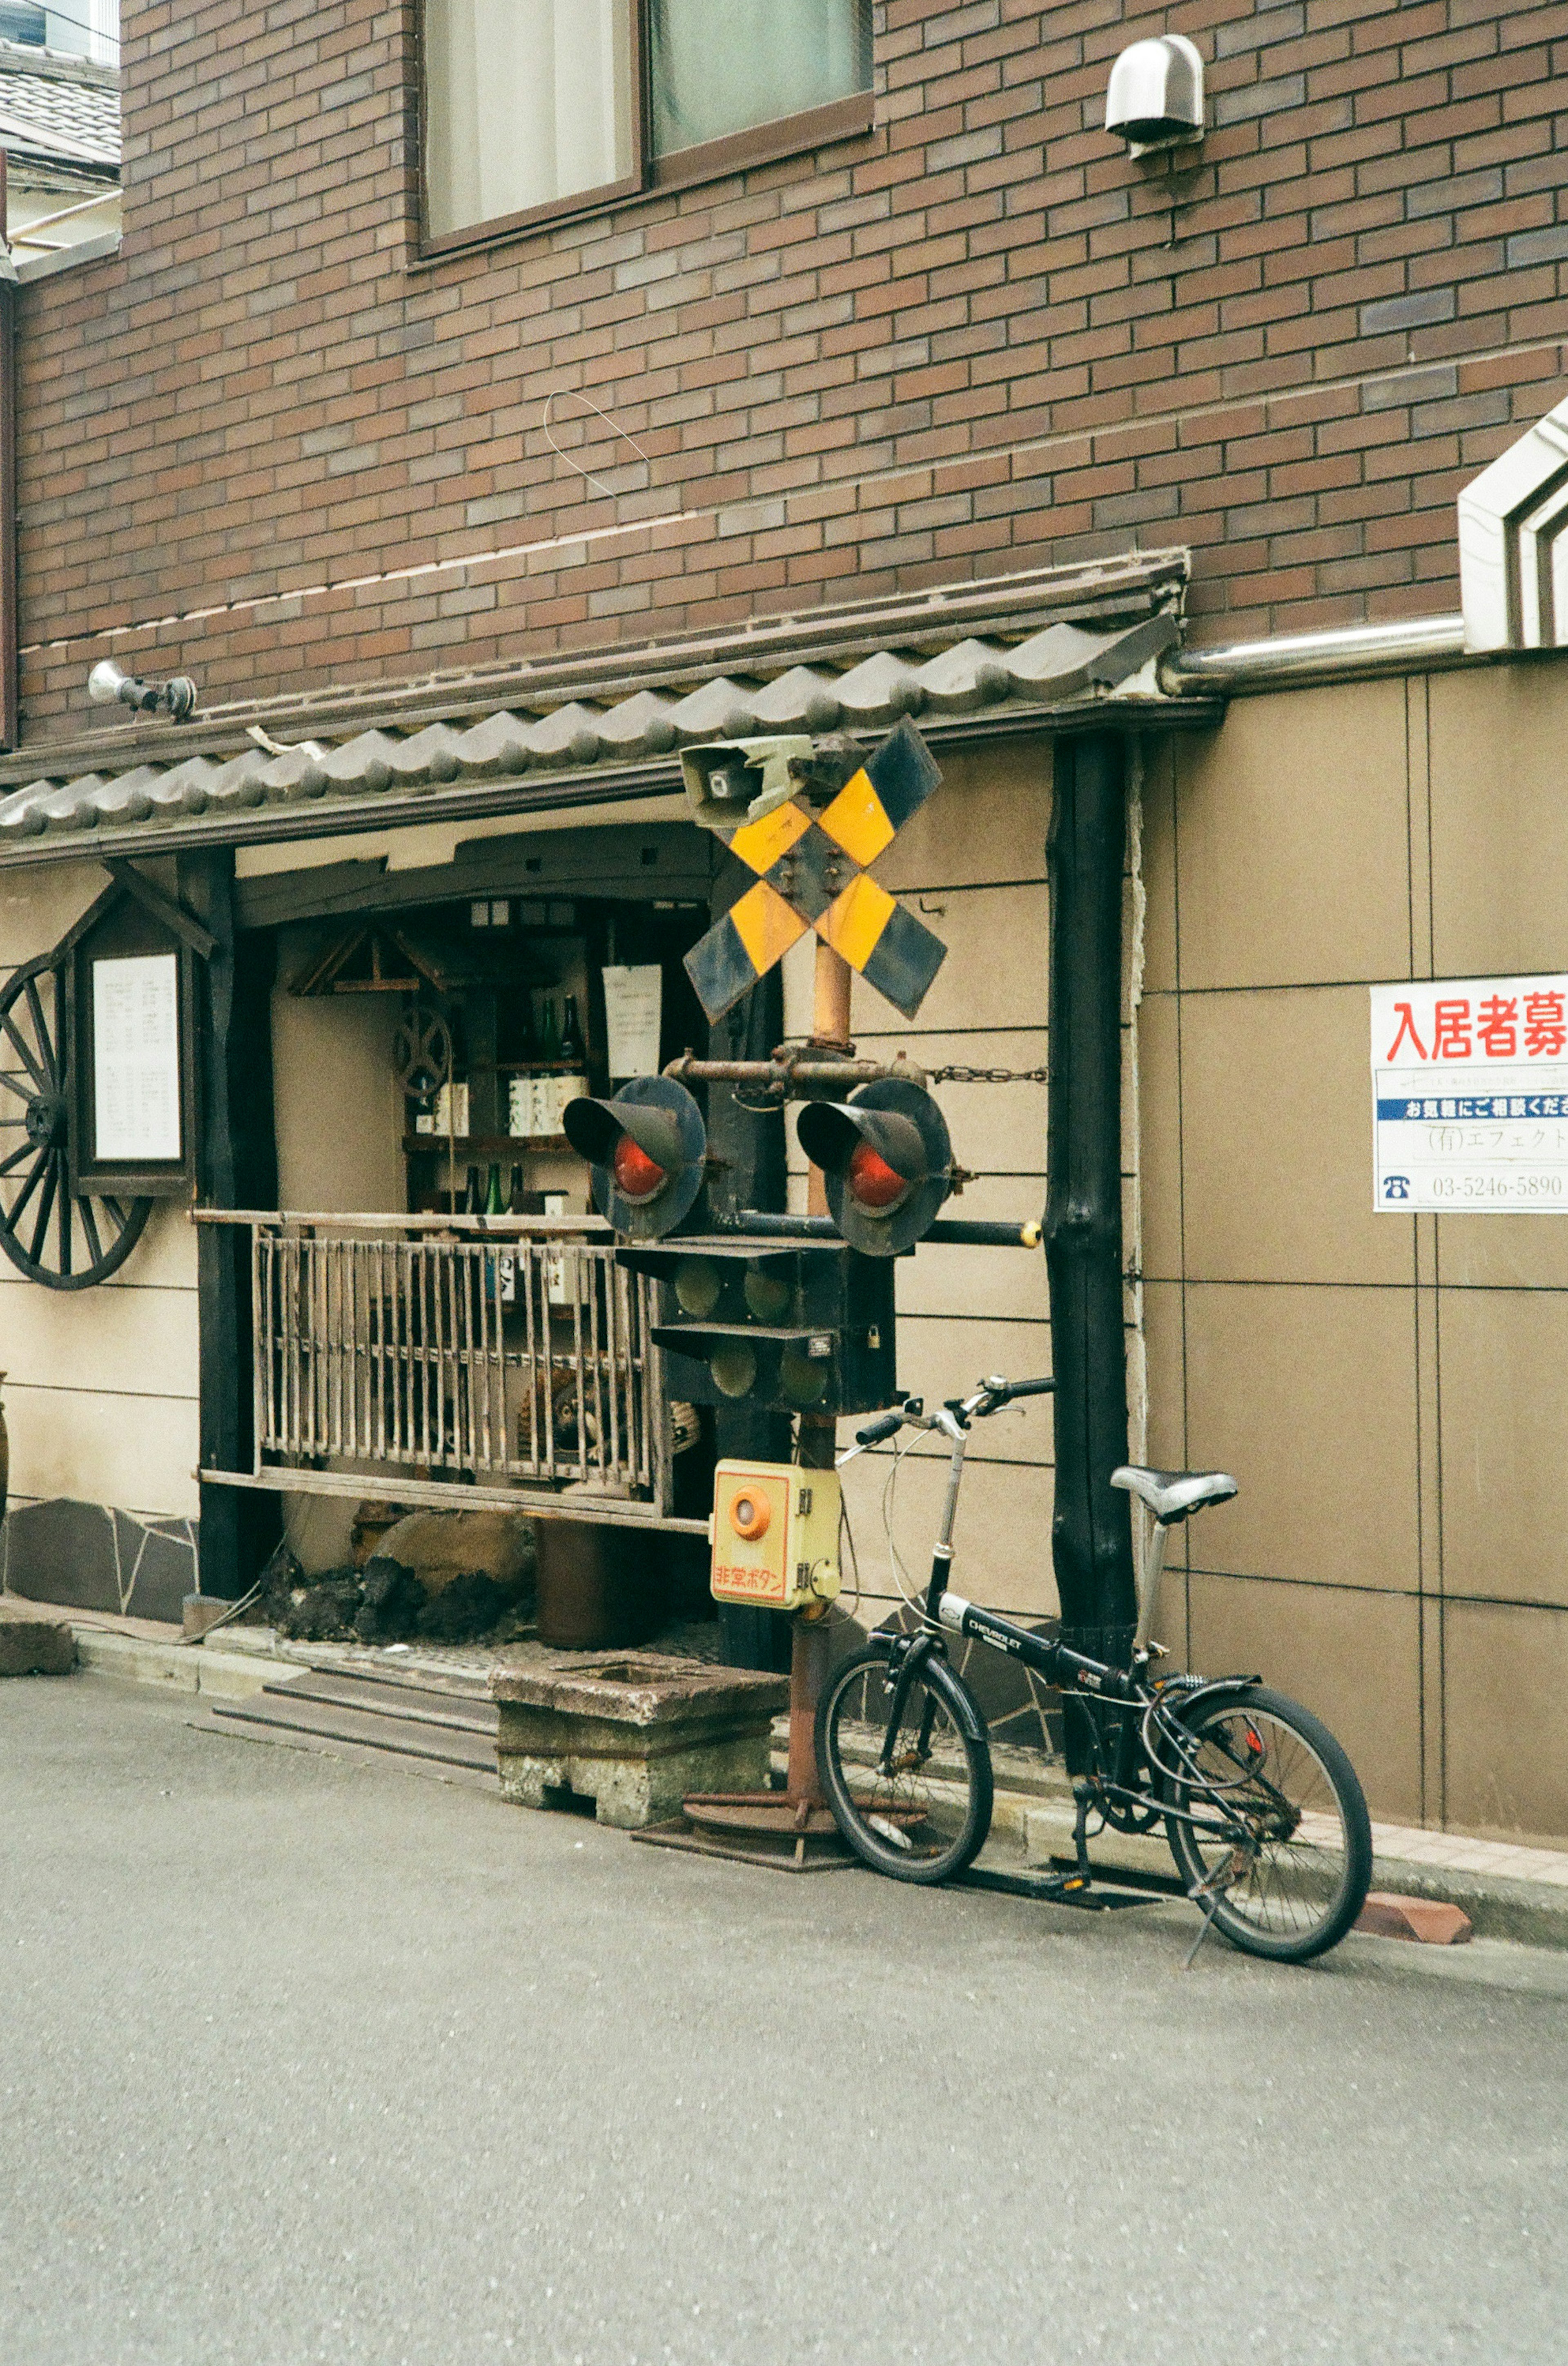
{"points": [[818, 1432]]}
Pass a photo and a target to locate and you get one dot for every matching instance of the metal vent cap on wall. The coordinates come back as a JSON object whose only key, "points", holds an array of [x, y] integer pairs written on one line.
{"points": [[1156, 95]]}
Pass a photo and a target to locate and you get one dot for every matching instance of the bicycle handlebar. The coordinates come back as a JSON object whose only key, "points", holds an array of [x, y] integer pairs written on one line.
{"points": [[988, 1398]]}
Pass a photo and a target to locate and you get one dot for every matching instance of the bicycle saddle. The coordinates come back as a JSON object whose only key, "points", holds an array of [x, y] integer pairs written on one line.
{"points": [[1172, 1494]]}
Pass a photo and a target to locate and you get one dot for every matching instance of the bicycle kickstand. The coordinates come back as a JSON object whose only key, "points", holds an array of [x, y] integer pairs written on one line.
{"points": [[1073, 1885], [1204, 1896]]}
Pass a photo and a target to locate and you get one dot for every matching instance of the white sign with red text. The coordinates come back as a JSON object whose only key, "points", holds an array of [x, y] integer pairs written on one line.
{"points": [[1470, 1096]]}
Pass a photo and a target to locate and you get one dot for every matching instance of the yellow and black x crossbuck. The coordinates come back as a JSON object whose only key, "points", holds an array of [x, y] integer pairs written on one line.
{"points": [[811, 873]]}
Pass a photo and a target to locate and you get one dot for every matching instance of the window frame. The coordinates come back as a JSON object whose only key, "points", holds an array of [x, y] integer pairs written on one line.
{"points": [[850, 117]]}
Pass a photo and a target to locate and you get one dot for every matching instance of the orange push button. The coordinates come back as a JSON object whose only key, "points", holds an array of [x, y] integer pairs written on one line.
{"points": [[749, 1514]]}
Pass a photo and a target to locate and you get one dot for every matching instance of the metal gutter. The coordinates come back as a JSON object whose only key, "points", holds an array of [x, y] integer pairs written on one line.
{"points": [[1348, 652]]}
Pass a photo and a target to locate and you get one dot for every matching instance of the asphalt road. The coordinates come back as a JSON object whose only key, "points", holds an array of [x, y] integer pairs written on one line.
{"points": [[301, 2060]]}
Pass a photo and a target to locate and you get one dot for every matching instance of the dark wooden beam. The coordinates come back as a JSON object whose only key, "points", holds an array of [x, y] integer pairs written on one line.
{"points": [[152, 900], [236, 1167], [10, 586]]}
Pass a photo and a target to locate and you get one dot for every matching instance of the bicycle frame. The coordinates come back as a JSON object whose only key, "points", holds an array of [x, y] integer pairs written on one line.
{"points": [[1127, 1692]]}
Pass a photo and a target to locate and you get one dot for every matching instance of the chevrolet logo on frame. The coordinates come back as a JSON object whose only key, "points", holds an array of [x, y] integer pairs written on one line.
{"points": [[813, 873]]}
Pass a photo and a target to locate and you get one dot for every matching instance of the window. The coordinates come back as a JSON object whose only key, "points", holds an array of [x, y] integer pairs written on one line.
{"points": [[84, 28], [539, 107]]}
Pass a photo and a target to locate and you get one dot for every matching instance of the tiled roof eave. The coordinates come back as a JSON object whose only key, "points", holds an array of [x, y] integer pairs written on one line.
{"points": [[1002, 655], [561, 788]]}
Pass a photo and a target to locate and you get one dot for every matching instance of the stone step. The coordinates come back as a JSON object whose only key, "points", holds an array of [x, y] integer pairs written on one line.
{"points": [[34, 1641]]}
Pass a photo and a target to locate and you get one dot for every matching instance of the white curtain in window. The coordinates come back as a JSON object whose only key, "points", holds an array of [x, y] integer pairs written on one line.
{"points": [[525, 101], [722, 65]]}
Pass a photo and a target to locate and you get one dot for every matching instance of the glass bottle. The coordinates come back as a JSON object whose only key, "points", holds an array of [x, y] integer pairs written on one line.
{"points": [[472, 1198], [494, 1203], [514, 1205], [549, 1033], [574, 1084]]}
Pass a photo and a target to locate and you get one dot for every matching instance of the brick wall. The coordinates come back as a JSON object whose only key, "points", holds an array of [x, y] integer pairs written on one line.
{"points": [[268, 442]]}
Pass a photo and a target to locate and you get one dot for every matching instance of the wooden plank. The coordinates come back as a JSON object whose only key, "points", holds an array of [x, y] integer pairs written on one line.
{"points": [[609, 1511]]}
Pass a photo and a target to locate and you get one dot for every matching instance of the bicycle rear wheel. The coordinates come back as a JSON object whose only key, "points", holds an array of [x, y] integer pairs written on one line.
{"points": [[915, 1804], [1279, 1850]]}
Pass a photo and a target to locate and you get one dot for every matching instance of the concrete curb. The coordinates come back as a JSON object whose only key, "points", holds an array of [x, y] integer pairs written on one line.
{"points": [[184, 1668], [1530, 1914], [1533, 1913]]}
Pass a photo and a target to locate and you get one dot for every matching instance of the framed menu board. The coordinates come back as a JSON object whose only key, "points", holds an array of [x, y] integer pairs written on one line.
{"points": [[132, 1058]]}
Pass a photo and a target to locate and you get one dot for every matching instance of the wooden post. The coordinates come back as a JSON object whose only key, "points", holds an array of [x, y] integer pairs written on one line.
{"points": [[1092, 1532], [236, 1167]]}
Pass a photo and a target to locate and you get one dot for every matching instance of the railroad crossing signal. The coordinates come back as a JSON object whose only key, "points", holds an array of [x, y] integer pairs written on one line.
{"points": [[811, 873], [807, 1328]]}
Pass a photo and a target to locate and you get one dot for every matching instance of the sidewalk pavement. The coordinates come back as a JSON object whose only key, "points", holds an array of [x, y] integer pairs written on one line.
{"points": [[1510, 1889]]}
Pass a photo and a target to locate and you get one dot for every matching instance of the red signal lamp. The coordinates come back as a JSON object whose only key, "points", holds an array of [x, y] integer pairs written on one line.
{"points": [[887, 1163], [647, 1149], [638, 1175], [872, 1181]]}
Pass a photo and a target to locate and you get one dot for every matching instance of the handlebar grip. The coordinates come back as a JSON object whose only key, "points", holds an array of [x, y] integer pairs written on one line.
{"points": [[874, 1431], [1032, 1389]]}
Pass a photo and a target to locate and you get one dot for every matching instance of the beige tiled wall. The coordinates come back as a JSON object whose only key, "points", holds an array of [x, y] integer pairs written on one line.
{"points": [[1391, 1392]]}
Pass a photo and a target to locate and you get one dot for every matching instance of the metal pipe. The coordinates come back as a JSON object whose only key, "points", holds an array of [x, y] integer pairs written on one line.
{"points": [[956, 1231], [789, 1076], [1347, 651]]}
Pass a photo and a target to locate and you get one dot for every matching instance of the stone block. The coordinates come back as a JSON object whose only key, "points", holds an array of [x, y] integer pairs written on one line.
{"points": [[1430, 1919], [632, 1731], [34, 1645]]}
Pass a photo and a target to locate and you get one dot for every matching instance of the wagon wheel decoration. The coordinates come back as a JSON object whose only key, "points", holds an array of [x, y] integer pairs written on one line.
{"points": [[422, 1053], [48, 1232]]}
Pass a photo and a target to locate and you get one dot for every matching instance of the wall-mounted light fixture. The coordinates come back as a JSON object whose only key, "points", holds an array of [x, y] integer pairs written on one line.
{"points": [[109, 684], [1154, 99]]}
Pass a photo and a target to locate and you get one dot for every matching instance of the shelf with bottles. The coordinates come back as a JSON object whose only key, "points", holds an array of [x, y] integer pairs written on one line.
{"points": [[495, 1187], [489, 1145]]}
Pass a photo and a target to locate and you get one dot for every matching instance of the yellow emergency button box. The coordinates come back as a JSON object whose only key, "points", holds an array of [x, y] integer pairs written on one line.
{"points": [[774, 1535]]}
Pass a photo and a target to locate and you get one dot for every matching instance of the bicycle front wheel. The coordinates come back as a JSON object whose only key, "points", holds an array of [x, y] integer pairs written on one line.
{"points": [[1267, 1823], [916, 1803]]}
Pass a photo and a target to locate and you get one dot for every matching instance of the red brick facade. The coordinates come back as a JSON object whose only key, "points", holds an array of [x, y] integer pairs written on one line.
{"points": [[980, 338]]}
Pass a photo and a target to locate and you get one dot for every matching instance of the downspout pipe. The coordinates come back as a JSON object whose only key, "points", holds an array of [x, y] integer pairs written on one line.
{"points": [[1349, 652], [1091, 1527]]}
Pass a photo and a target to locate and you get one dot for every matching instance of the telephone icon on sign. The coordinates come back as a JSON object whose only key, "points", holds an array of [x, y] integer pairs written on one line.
{"points": [[1396, 1187]]}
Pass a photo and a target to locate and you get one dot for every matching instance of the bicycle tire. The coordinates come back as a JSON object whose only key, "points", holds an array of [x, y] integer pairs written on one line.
{"points": [[1274, 1764], [929, 1818]]}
